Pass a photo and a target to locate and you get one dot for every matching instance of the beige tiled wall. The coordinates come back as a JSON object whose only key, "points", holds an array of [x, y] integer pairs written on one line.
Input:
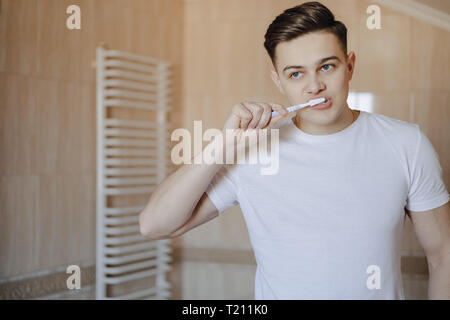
{"points": [[48, 128]]}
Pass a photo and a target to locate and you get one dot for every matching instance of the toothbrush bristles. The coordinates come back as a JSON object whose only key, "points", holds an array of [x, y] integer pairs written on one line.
{"points": [[317, 101]]}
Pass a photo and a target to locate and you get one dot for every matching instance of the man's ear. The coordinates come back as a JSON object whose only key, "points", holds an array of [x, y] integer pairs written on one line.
{"points": [[276, 80], [351, 64]]}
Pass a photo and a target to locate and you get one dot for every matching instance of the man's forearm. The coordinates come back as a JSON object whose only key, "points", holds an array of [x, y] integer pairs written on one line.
{"points": [[439, 281], [173, 201]]}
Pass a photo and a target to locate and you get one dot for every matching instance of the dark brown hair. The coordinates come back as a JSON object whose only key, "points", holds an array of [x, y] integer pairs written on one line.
{"points": [[300, 20]]}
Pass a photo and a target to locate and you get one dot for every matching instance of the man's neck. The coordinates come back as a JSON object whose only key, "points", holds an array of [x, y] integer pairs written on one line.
{"points": [[346, 118]]}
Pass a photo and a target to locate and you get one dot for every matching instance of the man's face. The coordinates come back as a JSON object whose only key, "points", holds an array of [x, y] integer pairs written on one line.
{"points": [[304, 73]]}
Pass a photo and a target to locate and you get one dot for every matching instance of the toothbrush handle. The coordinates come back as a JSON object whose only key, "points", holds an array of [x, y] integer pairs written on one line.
{"points": [[301, 106], [275, 113], [290, 109]]}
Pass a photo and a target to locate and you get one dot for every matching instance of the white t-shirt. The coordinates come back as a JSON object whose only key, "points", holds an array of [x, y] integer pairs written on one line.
{"points": [[329, 223]]}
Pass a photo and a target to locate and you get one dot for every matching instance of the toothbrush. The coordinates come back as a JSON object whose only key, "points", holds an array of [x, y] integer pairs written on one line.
{"points": [[310, 103]]}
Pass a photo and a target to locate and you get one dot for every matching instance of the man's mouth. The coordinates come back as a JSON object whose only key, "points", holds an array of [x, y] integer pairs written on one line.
{"points": [[323, 105]]}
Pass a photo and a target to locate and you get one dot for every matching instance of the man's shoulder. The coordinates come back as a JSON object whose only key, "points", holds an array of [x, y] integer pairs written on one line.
{"points": [[386, 121], [393, 129], [402, 136]]}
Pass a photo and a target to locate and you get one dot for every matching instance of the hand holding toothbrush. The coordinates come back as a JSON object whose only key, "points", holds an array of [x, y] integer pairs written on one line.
{"points": [[260, 115], [253, 115]]}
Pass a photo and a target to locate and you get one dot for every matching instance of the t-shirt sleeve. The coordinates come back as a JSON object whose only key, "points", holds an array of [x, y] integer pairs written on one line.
{"points": [[427, 190], [223, 190]]}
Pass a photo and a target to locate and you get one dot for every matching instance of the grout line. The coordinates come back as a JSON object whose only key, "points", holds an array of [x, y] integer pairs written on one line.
{"points": [[411, 107], [67, 293], [59, 269]]}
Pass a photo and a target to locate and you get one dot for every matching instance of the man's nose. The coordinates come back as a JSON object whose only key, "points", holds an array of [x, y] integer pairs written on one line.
{"points": [[315, 85]]}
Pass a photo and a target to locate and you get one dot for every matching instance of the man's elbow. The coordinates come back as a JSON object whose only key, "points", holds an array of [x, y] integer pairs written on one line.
{"points": [[152, 235], [146, 230]]}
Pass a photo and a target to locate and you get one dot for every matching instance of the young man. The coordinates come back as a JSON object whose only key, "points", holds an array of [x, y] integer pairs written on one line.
{"points": [[329, 224]]}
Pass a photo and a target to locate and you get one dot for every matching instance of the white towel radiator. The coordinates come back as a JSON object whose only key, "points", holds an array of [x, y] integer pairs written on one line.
{"points": [[131, 83]]}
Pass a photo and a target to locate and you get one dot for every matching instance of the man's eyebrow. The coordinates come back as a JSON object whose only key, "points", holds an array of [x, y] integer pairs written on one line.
{"points": [[318, 62]]}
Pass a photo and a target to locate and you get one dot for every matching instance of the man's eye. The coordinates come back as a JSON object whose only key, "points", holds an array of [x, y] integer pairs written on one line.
{"points": [[328, 65], [292, 75]]}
